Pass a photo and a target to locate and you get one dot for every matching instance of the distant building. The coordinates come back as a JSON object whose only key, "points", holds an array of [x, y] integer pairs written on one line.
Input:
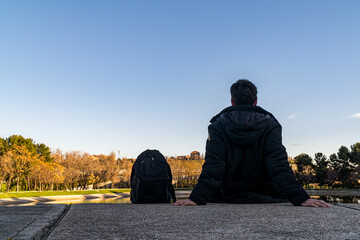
{"points": [[170, 158], [195, 155], [181, 158]]}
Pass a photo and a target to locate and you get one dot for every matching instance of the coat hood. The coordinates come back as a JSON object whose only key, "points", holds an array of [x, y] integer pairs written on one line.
{"points": [[244, 124]]}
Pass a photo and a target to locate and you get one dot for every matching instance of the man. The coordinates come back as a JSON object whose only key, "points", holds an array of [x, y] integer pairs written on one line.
{"points": [[245, 161]]}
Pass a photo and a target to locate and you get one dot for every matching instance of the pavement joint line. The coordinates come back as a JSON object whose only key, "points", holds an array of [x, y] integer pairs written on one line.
{"points": [[339, 205], [39, 227], [27, 225], [56, 223]]}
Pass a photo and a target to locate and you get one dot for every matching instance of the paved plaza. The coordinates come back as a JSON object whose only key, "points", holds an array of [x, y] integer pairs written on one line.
{"points": [[163, 221]]}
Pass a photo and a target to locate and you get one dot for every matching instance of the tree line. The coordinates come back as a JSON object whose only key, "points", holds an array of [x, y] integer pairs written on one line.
{"points": [[339, 170], [29, 166]]}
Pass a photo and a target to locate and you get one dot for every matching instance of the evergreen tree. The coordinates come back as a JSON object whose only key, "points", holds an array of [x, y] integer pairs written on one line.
{"points": [[342, 165], [321, 168], [355, 160], [355, 154], [35, 149], [304, 173]]}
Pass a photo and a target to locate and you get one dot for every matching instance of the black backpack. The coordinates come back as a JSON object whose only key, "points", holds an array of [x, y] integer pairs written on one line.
{"points": [[151, 179]]}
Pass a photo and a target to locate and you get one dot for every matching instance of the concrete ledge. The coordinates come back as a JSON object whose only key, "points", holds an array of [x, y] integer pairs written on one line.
{"points": [[28, 222], [163, 221], [349, 205], [212, 221], [39, 228]]}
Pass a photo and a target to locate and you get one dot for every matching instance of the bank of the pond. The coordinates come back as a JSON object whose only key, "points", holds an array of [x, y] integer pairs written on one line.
{"points": [[122, 196], [111, 197], [311, 192], [336, 195], [60, 199], [334, 192], [60, 193]]}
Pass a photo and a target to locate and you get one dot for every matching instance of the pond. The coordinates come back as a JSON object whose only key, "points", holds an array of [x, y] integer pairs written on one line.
{"points": [[328, 198], [106, 200], [339, 199]]}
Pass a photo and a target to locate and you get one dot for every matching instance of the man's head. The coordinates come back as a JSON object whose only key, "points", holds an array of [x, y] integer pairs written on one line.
{"points": [[243, 92]]}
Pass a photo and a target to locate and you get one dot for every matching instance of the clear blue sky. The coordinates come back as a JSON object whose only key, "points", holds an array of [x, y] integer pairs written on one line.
{"points": [[102, 76]]}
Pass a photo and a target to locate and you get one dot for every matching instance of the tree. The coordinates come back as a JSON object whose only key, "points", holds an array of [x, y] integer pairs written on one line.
{"points": [[69, 161], [38, 174], [305, 170], [17, 140], [79, 169], [321, 168], [44, 151], [341, 163], [185, 172], [355, 160], [54, 174], [331, 177], [176, 171], [2, 146], [125, 166], [86, 167], [17, 161], [355, 154], [6, 170], [110, 168], [302, 161]]}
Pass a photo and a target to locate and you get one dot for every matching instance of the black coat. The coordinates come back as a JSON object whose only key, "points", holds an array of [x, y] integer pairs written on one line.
{"points": [[245, 161]]}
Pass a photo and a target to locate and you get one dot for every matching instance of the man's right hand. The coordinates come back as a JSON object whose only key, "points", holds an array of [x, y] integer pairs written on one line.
{"points": [[184, 202], [314, 203]]}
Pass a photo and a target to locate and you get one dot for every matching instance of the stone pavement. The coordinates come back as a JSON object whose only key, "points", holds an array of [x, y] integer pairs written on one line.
{"points": [[29, 222], [163, 221], [212, 221]]}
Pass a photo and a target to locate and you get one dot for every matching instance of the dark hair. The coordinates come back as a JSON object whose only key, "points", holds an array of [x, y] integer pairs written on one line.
{"points": [[243, 92]]}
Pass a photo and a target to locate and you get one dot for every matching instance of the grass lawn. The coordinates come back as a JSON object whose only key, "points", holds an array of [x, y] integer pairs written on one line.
{"points": [[58, 193]]}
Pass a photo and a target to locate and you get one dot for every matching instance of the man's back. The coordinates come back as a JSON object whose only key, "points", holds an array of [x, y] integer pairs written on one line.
{"points": [[239, 156], [245, 161]]}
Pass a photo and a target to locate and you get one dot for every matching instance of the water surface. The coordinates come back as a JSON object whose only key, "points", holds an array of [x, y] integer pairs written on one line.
{"points": [[329, 199]]}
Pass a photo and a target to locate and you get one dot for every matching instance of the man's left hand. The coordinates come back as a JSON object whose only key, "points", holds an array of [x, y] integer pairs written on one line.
{"points": [[184, 202], [314, 203]]}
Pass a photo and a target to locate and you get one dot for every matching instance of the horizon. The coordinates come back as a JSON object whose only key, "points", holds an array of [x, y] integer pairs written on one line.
{"points": [[124, 76], [202, 154]]}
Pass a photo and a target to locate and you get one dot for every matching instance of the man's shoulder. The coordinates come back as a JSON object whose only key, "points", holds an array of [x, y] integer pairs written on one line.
{"points": [[216, 126], [243, 108], [248, 111]]}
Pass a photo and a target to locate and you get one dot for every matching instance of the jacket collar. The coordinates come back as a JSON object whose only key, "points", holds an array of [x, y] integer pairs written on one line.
{"points": [[242, 108]]}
